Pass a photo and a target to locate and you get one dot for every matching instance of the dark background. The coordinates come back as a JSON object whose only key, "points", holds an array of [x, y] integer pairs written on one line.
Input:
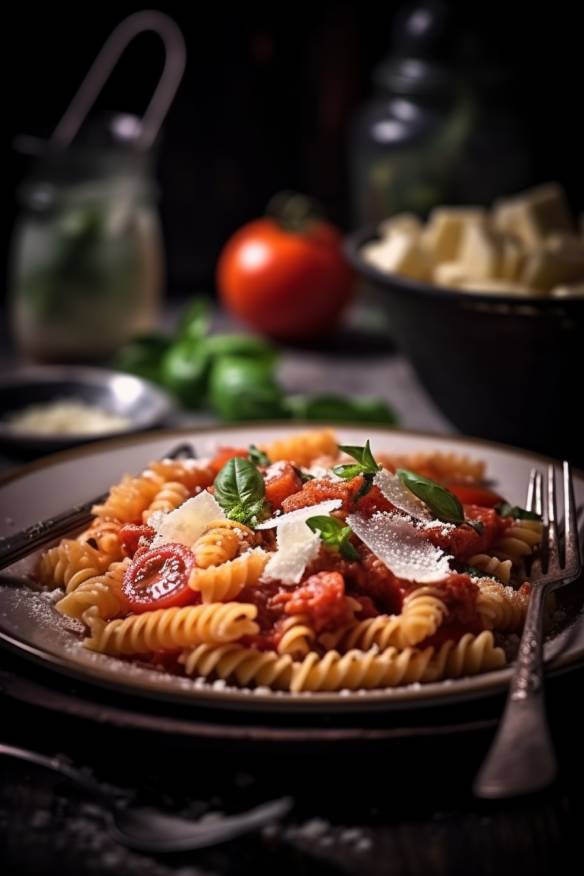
{"points": [[268, 95]]}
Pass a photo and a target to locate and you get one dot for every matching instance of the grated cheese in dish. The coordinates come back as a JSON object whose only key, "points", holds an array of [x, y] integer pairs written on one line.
{"points": [[301, 514], [66, 416], [401, 547]]}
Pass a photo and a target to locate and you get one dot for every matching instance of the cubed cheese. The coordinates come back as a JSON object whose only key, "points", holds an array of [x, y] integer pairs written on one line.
{"points": [[481, 252], [443, 234], [408, 222], [556, 263], [533, 215], [399, 253], [449, 274]]}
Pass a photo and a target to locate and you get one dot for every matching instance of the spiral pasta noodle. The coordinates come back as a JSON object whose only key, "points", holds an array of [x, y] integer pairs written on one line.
{"points": [[69, 564], [519, 541], [297, 636], [128, 500], [225, 582], [245, 666], [423, 612], [469, 656], [221, 541], [172, 628], [439, 466], [501, 608], [500, 569], [101, 593], [303, 449], [191, 473], [104, 535], [170, 495], [358, 670]]}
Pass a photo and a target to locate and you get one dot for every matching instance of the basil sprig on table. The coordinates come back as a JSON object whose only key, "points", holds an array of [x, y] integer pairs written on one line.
{"points": [[443, 504], [504, 509], [258, 457], [334, 534], [240, 490], [365, 464]]}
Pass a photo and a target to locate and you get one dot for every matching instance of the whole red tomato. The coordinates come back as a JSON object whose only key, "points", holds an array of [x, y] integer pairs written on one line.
{"points": [[285, 275]]}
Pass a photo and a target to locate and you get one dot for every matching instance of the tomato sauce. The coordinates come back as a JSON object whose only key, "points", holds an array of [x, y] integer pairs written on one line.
{"points": [[320, 490], [464, 541]]}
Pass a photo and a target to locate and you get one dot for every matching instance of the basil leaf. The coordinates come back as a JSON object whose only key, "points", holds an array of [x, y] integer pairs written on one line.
{"points": [[364, 457], [477, 525], [334, 534], [504, 509], [348, 471], [339, 409], [258, 457], [441, 502], [240, 490], [196, 322]]}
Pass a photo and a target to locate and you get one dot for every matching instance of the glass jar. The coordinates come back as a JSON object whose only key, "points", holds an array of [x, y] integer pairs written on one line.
{"points": [[87, 263]]}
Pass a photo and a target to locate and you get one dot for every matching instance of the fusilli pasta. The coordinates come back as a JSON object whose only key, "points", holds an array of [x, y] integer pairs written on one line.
{"points": [[519, 541], [303, 449], [172, 628], [128, 500], [500, 569], [170, 495], [101, 593], [221, 541], [225, 582], [469, 656], [69, 564], [297, 636], [501, 608], [192, 474]]}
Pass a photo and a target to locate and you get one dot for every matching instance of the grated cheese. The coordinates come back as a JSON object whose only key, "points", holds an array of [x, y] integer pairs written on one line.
{"points": [[301, 514], [297, 547], [187, 522], [401, 547], [66, 416], [399, 495]]}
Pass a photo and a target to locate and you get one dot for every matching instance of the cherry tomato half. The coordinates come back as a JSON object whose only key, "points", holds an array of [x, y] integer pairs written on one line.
{"points": [[130, 536], [470, 495], [159, 578]]}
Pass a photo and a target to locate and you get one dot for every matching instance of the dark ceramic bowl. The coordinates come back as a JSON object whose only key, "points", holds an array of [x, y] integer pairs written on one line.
{"points": [[141, 402], [501, 367]]}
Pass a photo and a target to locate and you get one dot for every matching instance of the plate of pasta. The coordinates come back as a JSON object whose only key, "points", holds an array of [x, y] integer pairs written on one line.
{"points": [[284, 569]]}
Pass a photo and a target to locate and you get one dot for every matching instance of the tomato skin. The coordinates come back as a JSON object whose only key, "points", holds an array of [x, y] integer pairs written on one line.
{"points": [[470, 495], [158, 578], [223, 455], [291, 286], [130, 535], [281, 480]]}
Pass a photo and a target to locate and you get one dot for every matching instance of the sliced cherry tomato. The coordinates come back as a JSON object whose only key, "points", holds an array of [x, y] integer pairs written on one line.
{"points": [[282, 480], [130, 536], [470, 495], [159, 578], [224, 454]]}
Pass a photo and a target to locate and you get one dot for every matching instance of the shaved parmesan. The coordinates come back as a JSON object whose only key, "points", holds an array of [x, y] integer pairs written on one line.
{"points": [[401, 547], [301, 514], [187, 522], [399, 495], [297, 546]]}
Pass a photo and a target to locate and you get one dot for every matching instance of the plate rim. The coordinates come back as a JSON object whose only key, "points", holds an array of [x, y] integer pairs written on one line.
{"points": [[436, 693]]}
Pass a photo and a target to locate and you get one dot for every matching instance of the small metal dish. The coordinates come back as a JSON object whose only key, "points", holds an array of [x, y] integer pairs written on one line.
{"points": [[144, 404]]}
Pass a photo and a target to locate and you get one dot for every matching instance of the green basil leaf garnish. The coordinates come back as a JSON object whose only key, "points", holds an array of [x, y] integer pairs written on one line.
{"points": [[258, 457], [441, 502], [334, 534], [365, 465], [477, 525], [240, 490], [504, 509]]}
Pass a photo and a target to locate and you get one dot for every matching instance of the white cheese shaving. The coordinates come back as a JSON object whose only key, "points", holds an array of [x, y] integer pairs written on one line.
{"points": [[401, 547], [297, 547], [187, 522], [301, 514], [399, 495]]}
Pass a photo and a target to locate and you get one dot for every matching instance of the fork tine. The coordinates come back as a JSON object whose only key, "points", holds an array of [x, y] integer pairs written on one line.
{"points": [[553, 546], [572, 561], [534, 492]]}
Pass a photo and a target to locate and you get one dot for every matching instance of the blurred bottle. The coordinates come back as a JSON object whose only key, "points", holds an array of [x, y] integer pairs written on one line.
{"points": [[87, 266]]}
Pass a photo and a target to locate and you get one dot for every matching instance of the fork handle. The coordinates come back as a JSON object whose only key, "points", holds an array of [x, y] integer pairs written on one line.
{"points": [[522, 758]]}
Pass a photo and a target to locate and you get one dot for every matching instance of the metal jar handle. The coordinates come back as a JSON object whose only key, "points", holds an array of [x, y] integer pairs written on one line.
{"points": [[106, 60]]}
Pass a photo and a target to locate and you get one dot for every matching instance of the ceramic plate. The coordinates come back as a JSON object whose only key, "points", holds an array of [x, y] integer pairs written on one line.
{"points": [[30, 624]]}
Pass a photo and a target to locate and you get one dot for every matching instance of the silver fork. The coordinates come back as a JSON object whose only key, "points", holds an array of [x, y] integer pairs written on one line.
{"points": [[522, 758]]}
